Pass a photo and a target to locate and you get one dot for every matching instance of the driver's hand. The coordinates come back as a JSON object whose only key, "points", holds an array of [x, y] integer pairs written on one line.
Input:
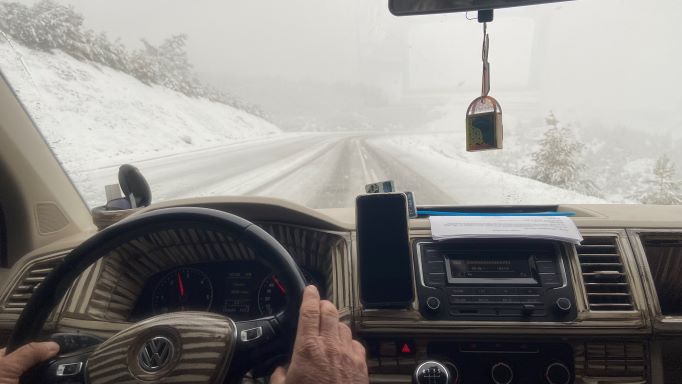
{"points": [[324, 351], [16, 363]]}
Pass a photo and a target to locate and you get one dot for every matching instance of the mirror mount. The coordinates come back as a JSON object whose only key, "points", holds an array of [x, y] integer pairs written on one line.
{"points": [[485, 15]]}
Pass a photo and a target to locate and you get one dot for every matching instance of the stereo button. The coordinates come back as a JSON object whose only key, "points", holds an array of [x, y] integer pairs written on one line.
{"points": [[435, 279], [433, 304], [508, 291], [558, 373], [546, 267], [528, 291], [501, 373], [551, 280], [435, 267], [563, 305]]}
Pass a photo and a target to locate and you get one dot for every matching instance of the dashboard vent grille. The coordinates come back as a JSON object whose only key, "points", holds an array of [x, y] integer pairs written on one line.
{"points": [[606, 282], [22, 292], [611, 360]]}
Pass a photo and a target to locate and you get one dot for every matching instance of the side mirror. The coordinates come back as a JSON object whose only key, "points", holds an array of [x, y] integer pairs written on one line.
{"points": [[134, 186], [136, 195]]}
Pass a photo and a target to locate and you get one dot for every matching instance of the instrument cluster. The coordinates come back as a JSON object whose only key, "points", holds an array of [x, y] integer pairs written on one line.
{"points": [[238, 289]]}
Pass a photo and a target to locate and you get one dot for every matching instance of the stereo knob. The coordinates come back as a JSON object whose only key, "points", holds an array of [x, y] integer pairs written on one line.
{"points": [[431, 372], [454, 372], [527, 309], [558, 373], [502, 373], [563, 305], [433, 304]]}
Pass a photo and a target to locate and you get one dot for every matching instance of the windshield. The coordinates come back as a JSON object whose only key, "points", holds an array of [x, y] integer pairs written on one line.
{"points": [[310, 101]]}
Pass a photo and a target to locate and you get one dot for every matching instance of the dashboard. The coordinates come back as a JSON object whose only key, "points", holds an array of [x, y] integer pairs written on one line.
{"points": [[239, 289], [606, 311]]}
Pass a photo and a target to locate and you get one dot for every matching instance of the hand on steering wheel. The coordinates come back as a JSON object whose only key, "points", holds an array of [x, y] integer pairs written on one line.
{"points": [[13, 365], [324, 351]]}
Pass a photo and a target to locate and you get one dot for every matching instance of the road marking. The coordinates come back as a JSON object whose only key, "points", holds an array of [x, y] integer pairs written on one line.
{"points": [[369, 175]]}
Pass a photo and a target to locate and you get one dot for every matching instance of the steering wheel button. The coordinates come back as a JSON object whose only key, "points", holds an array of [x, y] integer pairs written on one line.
{"points": [[251, 334], [70, 369]]}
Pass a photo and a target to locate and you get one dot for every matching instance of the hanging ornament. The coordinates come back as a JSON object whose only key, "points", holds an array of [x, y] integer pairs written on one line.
{"points": [[484, 115]]}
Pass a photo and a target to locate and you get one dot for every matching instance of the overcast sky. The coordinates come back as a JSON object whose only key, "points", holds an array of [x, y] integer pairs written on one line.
{"points": [[613, 56]]}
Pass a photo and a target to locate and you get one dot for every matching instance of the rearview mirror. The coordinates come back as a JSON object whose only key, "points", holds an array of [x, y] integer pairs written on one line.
{"points": [[420, 7]]}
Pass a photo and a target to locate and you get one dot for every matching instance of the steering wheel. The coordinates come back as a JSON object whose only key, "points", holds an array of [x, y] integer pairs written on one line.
{"points": [[197, 347]]}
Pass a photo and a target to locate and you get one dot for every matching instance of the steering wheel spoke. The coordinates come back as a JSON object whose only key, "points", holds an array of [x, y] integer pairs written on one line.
{"points": [[253, 334], [182, 347], [261, 343], [67, 368]]}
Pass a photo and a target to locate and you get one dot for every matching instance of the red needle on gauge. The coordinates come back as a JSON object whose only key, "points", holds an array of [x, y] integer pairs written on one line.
{"points": [[278, 284], [181, 288]]}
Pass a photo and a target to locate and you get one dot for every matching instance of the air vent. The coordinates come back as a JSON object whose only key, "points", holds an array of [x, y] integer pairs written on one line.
{"points": [[22, 292], [610, 360], [606, 282]]}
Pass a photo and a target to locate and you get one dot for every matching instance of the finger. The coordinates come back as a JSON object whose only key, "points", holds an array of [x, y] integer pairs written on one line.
{"points": [[359, 350], [346, 336], [329, 320], [31, 354], [2, 352], [309, 317], [279, 376]]}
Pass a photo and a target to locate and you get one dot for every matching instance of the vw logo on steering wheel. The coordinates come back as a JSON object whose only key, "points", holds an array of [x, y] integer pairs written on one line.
{"points": [[155, 354]]}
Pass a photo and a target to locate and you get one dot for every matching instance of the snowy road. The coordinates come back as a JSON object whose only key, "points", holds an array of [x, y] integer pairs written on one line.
{"points": [[317, 170]]}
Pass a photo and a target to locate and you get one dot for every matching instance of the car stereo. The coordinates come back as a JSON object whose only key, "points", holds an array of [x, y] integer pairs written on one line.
{"points": [[488, 279]]}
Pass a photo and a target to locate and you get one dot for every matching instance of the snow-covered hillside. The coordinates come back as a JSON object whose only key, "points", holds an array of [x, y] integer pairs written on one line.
{"points": [[93, 116]]}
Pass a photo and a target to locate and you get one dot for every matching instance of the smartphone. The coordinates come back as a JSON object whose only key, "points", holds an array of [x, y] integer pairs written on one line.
{"points": [[384, 266]]}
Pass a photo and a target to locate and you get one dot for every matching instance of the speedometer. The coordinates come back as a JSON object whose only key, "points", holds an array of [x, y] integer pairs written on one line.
{"points": [[183, 289], [272, 295]]}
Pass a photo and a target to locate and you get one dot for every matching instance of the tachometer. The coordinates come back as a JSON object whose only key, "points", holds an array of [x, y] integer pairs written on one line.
{"points": [[272, 295], [183, 289]]}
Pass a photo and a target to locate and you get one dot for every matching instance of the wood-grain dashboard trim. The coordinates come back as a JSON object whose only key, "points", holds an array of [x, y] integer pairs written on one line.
{"points": [[101, 299]]}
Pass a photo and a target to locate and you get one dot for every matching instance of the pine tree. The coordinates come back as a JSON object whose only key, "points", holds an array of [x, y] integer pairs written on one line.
{"points": [[15, 20], [174, 65], [663, 188], [57, 26], [144, 64], [557, 162]]}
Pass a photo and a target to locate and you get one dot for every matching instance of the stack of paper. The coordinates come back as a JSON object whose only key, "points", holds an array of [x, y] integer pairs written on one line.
{"points": [[505, 227]]}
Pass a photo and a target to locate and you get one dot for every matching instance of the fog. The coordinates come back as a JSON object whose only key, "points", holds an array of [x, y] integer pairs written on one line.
{"points": [[350, 64]]}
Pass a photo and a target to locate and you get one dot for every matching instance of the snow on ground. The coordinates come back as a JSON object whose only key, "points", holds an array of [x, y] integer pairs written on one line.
{"points": [[93, 116], [472, 181]]}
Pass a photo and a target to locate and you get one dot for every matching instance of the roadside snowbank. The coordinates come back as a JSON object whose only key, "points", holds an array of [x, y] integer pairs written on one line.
{"points": [[472, 181], [93, 116]]}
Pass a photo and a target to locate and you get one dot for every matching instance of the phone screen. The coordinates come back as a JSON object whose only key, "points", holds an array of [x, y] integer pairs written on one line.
{"points": [[384, 250]]}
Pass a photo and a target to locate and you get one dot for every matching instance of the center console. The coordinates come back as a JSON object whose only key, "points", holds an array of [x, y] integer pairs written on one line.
{"points": [[494, 280], [485, 280], [462, 285], [437, 360]]}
